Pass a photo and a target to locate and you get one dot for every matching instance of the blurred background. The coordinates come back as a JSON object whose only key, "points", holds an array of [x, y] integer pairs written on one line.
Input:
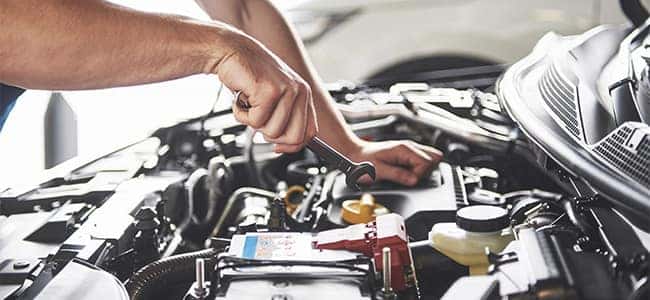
{"points": [[347, 39]]}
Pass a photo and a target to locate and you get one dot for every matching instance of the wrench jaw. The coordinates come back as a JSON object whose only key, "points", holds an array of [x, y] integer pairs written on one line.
{"points": [[357, 171], [352, 170]]}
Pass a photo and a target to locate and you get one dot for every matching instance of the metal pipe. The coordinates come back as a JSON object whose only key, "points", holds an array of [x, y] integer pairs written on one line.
{"points": [[634, 11], [434, 117], [306, 205]]}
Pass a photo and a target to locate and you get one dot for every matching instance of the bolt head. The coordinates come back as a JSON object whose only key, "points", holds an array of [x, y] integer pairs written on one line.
{"points": [[21, 264]]}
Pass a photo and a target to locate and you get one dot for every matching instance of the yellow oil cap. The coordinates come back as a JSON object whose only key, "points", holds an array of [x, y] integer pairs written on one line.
{"points": [[363, 210], [289, 196]]}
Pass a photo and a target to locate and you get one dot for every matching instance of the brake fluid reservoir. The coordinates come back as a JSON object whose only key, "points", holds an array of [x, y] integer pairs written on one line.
{"points": [[476, 228]]}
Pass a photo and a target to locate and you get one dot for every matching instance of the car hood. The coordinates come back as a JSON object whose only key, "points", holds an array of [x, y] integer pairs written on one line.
{"points": [[552, 95]]}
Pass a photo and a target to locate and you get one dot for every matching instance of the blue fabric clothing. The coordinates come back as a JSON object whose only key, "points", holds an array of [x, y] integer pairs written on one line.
{"points": [[8, 96]]}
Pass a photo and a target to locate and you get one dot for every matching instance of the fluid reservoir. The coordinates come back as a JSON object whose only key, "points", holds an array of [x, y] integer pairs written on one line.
{"points": [[476, 228]]}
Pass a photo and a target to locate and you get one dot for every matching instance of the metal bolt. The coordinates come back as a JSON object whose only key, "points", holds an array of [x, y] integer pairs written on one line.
{"points": [[200, 290], [200, 273], [386, 262]]}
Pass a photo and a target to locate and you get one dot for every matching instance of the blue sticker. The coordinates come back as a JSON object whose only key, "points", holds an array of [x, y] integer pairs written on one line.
{"points": [[250, 245]]}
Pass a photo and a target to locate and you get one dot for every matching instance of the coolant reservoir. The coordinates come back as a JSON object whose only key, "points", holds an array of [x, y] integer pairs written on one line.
{"points": [[476, 228]]}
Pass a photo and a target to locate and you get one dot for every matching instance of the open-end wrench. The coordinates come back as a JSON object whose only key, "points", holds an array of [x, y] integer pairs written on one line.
{"points": [[352, 170]]}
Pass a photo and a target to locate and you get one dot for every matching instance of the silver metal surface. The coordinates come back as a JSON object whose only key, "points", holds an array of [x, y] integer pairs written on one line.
{"points": [[200, 273], [353, 170], [386, 259], [431, 116], [200, 288]]}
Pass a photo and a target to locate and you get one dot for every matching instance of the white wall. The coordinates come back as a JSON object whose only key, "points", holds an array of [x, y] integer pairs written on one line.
{"points": [[106, 118]]}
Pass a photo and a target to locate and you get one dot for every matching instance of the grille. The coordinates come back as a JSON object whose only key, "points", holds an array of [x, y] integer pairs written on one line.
{"points": [[637, 165], [559, 94]]}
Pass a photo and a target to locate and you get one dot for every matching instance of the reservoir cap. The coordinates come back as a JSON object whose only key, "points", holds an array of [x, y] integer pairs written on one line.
{"points": [[482, 218]]}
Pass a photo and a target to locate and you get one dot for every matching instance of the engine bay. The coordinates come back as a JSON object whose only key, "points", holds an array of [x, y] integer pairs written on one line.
{"points": [[205, 209]]}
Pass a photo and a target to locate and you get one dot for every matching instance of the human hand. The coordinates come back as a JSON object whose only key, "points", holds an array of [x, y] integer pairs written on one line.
{"points": [[280, 104], [404, 162]]}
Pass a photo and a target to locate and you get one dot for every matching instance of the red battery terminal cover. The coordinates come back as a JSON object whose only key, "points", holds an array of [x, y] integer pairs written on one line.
{"points": [[369, 239]]}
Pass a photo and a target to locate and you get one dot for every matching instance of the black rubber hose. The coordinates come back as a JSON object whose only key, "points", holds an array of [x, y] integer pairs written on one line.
{"points": [[576, 217], [172, 269], [634, 11]]}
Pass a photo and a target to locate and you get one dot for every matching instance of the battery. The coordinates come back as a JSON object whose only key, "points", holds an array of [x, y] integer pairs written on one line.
{"points": [[293, 269], [370, 238]]}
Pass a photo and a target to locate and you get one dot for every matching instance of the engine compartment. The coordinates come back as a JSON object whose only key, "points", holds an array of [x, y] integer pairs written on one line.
{"points": [[205, 209]]}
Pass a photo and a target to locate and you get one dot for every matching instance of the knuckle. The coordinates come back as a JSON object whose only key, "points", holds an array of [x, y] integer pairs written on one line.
{"points": [[310, 135], [268, 138], [273, 133], [420, 171], [408, 179], [293, 149], [275, 91], [308, 95], [295, 139], [293, 89], [255, 123], [403, 177], [303, 86]]}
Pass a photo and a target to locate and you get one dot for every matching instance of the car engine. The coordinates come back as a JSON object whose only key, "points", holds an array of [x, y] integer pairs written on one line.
{"points": [[204, 209]]}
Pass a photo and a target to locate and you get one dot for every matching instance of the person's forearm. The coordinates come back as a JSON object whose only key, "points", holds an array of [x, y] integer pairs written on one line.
{"points": [[82, 44], [261, 20]]}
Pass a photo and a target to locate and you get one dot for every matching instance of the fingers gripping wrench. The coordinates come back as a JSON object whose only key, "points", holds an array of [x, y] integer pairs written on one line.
{"points": [[352, 170]]}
